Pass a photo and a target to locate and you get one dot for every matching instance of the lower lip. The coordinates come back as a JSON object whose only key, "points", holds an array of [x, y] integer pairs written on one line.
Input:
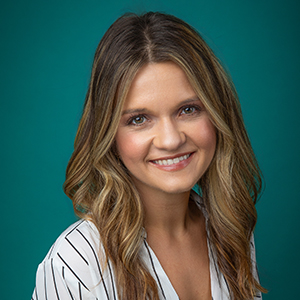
{"points": [[174, 167]]}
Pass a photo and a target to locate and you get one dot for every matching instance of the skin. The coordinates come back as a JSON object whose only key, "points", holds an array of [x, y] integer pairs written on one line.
{"points": [[164, 121]]}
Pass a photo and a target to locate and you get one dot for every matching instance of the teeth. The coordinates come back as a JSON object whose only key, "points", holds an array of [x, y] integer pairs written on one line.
{"points": [[168, 162]]}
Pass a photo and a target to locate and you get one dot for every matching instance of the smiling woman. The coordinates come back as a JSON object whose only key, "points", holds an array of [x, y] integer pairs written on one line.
{"points": [[165, 137], [160, 116]]}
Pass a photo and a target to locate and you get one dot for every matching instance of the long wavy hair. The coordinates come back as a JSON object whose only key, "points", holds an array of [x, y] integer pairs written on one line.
{"points": [[100, 186]]}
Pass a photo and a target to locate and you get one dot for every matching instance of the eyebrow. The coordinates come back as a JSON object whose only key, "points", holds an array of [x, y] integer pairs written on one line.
{"points": [[145, 110], [135, 111]]}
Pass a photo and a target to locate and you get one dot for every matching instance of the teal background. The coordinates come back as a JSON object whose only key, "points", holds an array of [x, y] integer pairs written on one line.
{"points": [[46, 54]]}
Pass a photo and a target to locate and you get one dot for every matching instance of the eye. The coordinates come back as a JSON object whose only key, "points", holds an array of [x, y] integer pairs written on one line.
{"points": [[137, 120], [189, 110]]}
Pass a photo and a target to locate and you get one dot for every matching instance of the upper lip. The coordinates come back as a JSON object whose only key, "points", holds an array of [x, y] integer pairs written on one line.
{"points": [[172, 157]]}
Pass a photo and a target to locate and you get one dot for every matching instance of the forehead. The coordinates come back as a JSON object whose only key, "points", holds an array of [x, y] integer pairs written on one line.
{"points": [[158, 83]]}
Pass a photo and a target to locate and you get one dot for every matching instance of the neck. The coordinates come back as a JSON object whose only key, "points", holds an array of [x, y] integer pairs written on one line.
{"points": [[168, 214]]}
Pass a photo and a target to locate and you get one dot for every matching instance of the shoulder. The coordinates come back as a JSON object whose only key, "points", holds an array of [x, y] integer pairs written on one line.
{"points": [[77, 241], [74, 264]]}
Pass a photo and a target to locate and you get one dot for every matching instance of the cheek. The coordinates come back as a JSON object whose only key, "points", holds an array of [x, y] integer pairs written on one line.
{"points": [[206, 136], [131, 146]]}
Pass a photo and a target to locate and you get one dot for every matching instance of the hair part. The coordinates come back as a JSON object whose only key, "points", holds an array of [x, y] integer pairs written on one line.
{"points": [[97, 182]]}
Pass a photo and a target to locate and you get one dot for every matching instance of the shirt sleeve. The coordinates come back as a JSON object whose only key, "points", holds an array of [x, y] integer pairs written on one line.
{"points": [[254, 266], [53, 281], [71, 270], [56, 279]]}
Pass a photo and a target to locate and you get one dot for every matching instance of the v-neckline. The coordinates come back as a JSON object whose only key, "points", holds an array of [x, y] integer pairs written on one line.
{"points": [[218, 286]]}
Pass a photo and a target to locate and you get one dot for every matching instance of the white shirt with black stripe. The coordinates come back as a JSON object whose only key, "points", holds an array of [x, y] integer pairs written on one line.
{"points": [[72, 270]]}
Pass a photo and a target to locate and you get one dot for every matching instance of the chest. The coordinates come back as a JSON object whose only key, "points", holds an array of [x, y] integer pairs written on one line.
{"points": [[188, 270], [186, 265]]}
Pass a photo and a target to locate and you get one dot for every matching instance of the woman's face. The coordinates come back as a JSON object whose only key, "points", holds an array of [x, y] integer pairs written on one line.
{"points": [[165, 137]]}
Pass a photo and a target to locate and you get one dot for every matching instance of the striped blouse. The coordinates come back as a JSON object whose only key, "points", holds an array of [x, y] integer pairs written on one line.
{"points": [[72, 270]]}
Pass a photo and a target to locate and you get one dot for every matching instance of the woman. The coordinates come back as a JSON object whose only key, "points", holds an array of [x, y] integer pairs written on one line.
{"points": [[160, 116]]}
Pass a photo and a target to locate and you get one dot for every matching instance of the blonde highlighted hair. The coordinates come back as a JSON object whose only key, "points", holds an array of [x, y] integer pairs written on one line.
{"points": [[99, 185]]}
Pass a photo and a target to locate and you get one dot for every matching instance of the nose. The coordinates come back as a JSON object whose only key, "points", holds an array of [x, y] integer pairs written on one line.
{"points": [[169, 136]]}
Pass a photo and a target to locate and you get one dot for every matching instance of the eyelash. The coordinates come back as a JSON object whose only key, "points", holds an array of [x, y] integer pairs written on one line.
{"points": [[134, 117], [195, 107]]}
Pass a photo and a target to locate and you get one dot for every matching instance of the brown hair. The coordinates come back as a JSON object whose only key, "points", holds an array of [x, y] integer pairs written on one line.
{"points": [[101, 189]]}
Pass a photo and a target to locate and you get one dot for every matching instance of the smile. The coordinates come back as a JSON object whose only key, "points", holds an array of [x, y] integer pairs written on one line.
{"points": [[169, 162]]}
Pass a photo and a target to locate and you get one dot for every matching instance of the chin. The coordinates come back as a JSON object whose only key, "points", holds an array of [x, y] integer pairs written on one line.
{"points": [[177, 189]]}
